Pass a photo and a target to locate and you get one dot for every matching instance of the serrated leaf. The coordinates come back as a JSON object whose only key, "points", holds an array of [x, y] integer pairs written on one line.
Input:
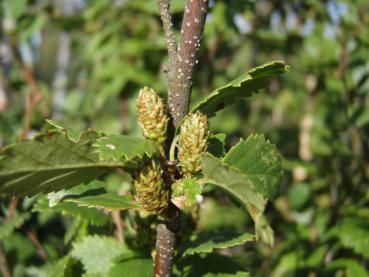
{"points": [[48, 163], [97, 253], [8, 226], [210, 265], [92, 216], [132, 265], [244, 86], [100, 198], [188, 187], [259, 160], [236, 183], [118, 147], [207, 242]]}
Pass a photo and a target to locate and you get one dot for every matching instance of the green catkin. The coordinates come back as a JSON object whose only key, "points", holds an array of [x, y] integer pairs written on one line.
{"points": [[152, 115], [150, 190], [192, 142]]}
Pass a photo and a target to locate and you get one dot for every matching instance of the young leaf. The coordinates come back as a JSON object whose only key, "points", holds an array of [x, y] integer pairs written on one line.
{"points": [[97, 252], [236, 183], [100, 198], [244, 86], [188, 187], [259, 160], [121, 147], [207, 242]]}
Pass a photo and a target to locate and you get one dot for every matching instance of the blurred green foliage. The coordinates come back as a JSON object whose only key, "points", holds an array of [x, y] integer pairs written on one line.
{"points": [[87, 61]]}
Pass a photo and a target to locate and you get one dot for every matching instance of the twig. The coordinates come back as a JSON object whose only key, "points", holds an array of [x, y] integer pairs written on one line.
{"points": [[34, 96], [4, 267], [119, 226], [166, 18], [179, 93], [40, 250]]}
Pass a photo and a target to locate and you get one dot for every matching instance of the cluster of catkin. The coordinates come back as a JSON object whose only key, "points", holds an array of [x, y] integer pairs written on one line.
{"points": [[151, 191]]}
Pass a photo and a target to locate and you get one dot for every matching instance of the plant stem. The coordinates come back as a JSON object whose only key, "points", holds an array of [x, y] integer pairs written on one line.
{"points": [[181, 68], [180, 87]]}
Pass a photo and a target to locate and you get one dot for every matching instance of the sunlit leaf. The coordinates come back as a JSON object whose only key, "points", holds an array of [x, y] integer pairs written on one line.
{"points": [[244, 86]]}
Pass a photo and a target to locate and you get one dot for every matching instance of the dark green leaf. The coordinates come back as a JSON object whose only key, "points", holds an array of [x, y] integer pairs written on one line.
{"points": [[216, 145], [100, 198], [244, 86], [50, 162], [207, 242], [93, 216], [121, 147], [211, 265]]}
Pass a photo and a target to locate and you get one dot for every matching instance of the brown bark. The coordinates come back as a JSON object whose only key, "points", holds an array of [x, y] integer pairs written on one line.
{"points": [[183, 60]]}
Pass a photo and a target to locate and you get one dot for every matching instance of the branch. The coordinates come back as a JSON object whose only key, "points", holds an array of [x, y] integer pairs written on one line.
{"points": [[4, 267], [165, 245], [188, 48], [182, 64]]}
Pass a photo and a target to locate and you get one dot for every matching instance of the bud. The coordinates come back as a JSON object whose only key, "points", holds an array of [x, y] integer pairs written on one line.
{"points": [[152, 115], [193, 141], [151, 192]]}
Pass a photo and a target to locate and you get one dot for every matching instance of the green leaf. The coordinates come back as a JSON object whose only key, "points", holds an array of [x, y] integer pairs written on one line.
{"points": [[132, 265], [207, 242], [50, 162], [210, 265], [188, 187], [62, 268], [92, 216], [97, 253], [15, 221], [354, 234], [100, 198], [353, 267], [236, 183], [216, 145], [118, 147], [259, 160], [72, 134], [244, 86]]}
